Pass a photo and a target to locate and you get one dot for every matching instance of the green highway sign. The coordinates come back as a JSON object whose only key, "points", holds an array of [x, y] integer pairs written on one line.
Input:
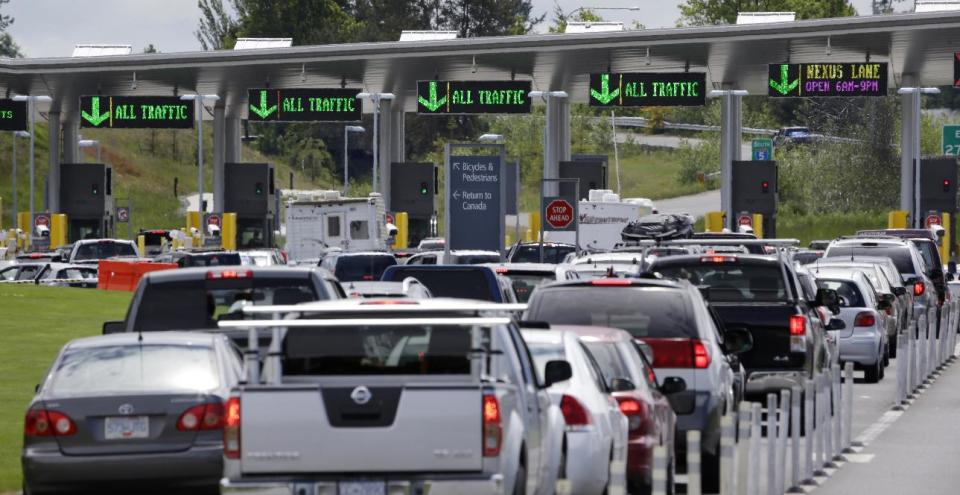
{"points": [[13, 115], [831, 79], [648, 89], [951, 140], [472, 97], [136, 112], [304, 105], [762, 149]]}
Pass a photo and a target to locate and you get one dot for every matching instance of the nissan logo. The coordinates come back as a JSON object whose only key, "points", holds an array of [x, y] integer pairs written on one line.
{"points": [[361, 395], [125, 409]]}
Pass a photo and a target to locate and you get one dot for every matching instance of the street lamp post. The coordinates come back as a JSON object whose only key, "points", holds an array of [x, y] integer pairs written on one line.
{"points": [[90, 143], [346, 165], [199, 98], [376, 98], [31, 111], [15, 135]]}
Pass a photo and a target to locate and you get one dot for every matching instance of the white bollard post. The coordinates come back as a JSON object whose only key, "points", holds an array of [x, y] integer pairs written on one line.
{"points": [[727, 438], [838, 406], [828, 425], [772, 445], [783, 424], [809, 435], [931, 336], [693, 463], [821, 426], [848, 409], [756, 435], [659, 470], [742, 459], [921, 347], [903, 355], [795, 461]]}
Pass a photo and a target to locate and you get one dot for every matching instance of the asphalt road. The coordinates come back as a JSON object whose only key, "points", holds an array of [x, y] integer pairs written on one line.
{"points": [[697, 204]]}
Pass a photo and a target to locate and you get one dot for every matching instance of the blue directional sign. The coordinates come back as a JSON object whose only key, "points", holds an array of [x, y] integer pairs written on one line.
{"points": [[475, 202]]}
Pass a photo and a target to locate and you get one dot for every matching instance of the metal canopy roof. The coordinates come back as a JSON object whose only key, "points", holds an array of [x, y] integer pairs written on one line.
{"points": [[733, 56]]}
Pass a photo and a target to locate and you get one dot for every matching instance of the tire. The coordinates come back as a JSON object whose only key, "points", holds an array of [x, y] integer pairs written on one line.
{"points": [[886, 356], [874, 373], [893, 347]]}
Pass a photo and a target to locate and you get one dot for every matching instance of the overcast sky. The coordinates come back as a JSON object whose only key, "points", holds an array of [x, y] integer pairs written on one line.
{"points": [[50, 28]]}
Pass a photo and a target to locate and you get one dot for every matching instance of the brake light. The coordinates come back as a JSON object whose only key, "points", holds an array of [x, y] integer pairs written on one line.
{"points": [[865, 319], [615, 282], [701, 358], [492, 427], [231, 429], [43, 423], [574, 413], [679, 353], [798, 325], [502, 269], [368, 277], [918, 289], [634, 410], [202, 417], [718, 259], [229, 274]]}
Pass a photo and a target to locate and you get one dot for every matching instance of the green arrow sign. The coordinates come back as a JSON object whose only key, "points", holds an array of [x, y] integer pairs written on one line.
{"points": [[433, 103], [95, 118], [263, 110], [784, 86], [604, 96]]}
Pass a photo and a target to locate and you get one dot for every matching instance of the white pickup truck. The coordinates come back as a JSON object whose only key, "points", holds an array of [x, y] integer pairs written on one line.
{"points": [[377, 397]]}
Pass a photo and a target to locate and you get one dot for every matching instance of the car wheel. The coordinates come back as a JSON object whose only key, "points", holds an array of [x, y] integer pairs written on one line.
{"points": [[872, 374], [886, 356]]}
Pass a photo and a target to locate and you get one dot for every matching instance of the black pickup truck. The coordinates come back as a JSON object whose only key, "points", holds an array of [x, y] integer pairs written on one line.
{"points": [[763, 295]]}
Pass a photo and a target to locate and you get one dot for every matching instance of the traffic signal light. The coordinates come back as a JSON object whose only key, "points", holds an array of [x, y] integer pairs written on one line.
{"points": [[95, 189], [765, 186], [946, 185], [258, 189], [424, 189]]}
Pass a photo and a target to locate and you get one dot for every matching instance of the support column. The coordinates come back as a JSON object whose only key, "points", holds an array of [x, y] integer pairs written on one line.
{"points": [[219, 138], [556, 140], [909, 145], [232, 143], [53, 175], [385, 149], [71, 138], [730, 143]]}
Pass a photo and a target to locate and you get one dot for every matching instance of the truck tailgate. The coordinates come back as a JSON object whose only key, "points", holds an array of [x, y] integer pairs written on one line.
{"points": [[770, 326], [324, 430]]}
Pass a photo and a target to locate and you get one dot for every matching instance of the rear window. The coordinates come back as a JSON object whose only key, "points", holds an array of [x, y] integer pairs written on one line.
{"points": [[198, 304], [135, 369], [212, 259], [610, 361], [381, 350], [732, 282], [807, 257], [645, 312], [928, 251], [531, 254], [525, 282], [475, 259], [358, 268], [899, 255], [850, 296], [465, 283], [103, 250]]}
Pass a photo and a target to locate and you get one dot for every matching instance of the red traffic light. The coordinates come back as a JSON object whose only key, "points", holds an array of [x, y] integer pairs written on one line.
{"points": [[946, 185], [765, 186]]}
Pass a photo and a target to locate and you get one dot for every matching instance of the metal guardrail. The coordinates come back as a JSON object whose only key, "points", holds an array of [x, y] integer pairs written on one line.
{"points": [[643, 122]]}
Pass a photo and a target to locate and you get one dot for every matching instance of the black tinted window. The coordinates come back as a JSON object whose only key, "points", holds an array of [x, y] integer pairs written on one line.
{"points": [[525, 282], [213, 259], [850, 296], [643, 311], [466, 283], [475, 259], [357, 268], [531, 254], [928, 251], [899, 255], [103, 250], [731, 282]]}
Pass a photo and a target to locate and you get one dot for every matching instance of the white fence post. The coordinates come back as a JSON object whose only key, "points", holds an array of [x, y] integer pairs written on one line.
{"points": [[809, 435], [693, 463], [659, 470], [744, 442], [772, 444], [783, 424], [727, 439], [848, 408], [796, 397], [756, 435]]}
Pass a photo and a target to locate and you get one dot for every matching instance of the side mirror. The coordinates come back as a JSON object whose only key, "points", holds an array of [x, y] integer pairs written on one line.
{"points": [[113, 327], [829, 299], [899, 291], [621, 385], [672, 385], [556, 371], [738, 340], [835, 324]]}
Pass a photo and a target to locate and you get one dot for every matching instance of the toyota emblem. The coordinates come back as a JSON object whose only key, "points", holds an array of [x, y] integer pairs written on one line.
{"points": [[361, 395], [125, 409]]}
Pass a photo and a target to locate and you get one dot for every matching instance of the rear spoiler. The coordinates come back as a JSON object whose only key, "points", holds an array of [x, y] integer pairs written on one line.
{"points": [[400, 306]]}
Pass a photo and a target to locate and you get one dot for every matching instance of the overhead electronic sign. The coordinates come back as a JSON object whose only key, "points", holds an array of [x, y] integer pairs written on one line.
{"points": [[648, 89], [304, 105], [13, 115], [136, 112], [811, 80], [470, 97]]}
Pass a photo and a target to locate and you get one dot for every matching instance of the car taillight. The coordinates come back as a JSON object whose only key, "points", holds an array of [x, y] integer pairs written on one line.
{"points": [[718, 259], [43, 423], [367, 277], [634, 410], [202, 417], [918, 289], [679, 353], [798, 325], [229, 274], [865, 319], [492, 427], [231, 429], [574, 413]]}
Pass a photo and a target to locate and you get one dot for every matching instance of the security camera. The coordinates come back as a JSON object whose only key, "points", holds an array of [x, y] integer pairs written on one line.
{"points": [[213, 229], [43, 230], [194, 231], [392, 230], [745, 229]]}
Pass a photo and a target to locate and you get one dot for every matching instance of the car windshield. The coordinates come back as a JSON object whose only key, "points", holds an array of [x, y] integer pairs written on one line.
{"points": [[464, 283], [525, 282], [850, 296], [900, 255], [731, 282], [652, 312], [132, 368], [102, 250], [530, 253], [358, 268], [380, 350], [196, 304]]}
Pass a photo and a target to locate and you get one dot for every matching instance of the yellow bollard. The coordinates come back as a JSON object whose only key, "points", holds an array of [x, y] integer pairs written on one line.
{"points": [[228, 232], [534, 232], [947, 238], [897, 219], [758, 225], [713, 222], [402, 220], [24, 222], [193, 220], [142, 245], [58, 230]]}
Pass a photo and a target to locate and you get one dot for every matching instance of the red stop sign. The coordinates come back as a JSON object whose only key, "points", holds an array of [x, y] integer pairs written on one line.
{"points": [[745, 220], [42, 220], [213, 220], [559, 213], [933, 220]]}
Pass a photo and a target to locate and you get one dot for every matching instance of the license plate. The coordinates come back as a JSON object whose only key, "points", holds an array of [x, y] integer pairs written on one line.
{"points": [[126, 427], [361, 488]]}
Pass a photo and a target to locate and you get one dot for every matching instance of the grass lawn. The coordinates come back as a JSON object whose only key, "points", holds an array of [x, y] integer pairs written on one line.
{"points": [[827, 226], [35, 322]]}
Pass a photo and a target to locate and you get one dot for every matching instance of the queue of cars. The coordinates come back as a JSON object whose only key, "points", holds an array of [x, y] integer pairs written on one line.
{"points": [[362, 374]]}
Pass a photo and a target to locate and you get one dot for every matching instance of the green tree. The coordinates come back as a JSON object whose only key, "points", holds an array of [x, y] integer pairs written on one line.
{"points": [[217, 30], [561, 18], [7, 46], [473, 18], [710, 12]]}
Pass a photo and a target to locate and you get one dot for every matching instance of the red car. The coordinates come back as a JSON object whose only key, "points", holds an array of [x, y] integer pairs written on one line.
{"points": [[632, 382]]}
